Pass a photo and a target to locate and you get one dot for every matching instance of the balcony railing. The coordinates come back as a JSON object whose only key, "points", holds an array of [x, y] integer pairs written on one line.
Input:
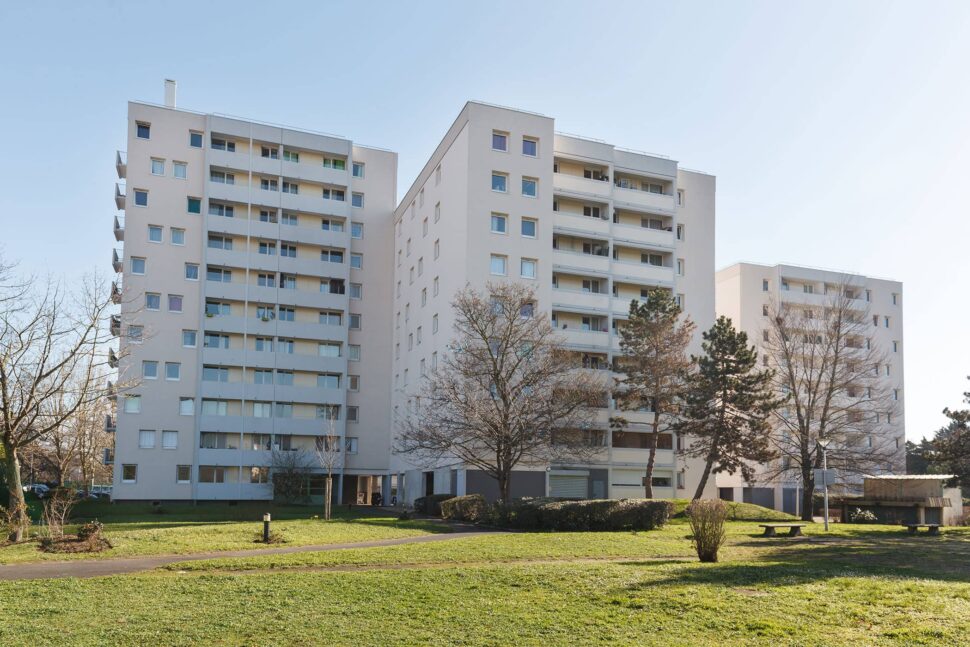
{"points": [[109, 424], [119, 229], [112, 358], [121, 164], [120, 195], [116, 260], [115, 292], [115, 325], [108, 458]]}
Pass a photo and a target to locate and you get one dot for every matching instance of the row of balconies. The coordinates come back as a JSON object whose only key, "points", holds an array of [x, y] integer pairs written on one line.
{"points": [[271, 360], [275, 231], [619, 270], [275, 263], [275, 328], [272, 393], [279, 167], [305, 202], [604, 190], [283, 296]]}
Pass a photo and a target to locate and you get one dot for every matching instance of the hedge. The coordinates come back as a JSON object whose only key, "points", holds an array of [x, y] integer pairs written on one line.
{"points": [[431, 504], [589, 515], [471, 508]]}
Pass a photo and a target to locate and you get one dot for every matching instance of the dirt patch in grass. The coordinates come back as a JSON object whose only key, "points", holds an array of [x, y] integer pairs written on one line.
{"points": [[74, 544]]}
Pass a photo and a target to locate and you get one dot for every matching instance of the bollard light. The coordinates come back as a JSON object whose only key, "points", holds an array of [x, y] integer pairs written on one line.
{"points": [[266, 520]]}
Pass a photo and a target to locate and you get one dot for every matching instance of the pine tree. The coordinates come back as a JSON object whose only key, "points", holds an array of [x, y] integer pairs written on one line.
{"points": [[728, 404], [653, 368]]}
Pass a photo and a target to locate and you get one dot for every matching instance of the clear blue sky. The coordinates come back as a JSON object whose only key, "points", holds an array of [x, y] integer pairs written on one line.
{"points": [[839, 132]]}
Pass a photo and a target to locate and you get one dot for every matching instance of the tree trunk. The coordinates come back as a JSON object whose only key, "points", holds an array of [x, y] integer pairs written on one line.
{"points": [[707, 469], [503, 485], [17, 507], [328, 497], [808, 491]]}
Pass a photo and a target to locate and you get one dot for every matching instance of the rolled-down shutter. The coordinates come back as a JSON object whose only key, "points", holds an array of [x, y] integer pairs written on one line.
{"points": [[569, 487]]}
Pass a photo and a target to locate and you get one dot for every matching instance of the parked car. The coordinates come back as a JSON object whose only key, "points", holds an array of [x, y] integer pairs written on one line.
{"points": [[39, 489]]}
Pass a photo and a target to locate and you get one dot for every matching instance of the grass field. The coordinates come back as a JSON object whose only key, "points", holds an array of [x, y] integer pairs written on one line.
{"points": [[859, 585], [183, 529]]}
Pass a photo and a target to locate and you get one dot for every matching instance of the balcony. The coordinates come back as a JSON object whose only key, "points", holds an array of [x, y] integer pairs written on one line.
{"points": [[578, 261], [108, 457], [646, 236], [115, 325], [579, 300], [115, 292], [634, 193], [120, 195], [109, 424], [576, 337], [110, 391], [119, 229], [112, 358], [643, 272], [577, 223], [116, 260], [576, 184], [121, 164]]}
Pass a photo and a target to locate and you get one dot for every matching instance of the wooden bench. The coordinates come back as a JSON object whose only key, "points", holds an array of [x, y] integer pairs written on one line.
{"points": [[794, 529], [931, 528]]}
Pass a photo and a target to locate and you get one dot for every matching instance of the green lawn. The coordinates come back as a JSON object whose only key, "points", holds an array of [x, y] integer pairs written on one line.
{"points": [[182, 529]]}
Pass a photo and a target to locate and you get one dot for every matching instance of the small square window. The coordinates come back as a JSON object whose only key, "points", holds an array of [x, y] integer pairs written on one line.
{"points": [[137, 265], [357, 230], [183, 473], [358, 169], [356, 290], [354, 321], [357, 199], [530, 187], [132, 404], [189, 338], [149, 370], [191, 272], [530, 147], [153, 301], [497, 265], [143, 130], [175, 303], [195, 139], [146, 439], [353, 352], [186, 406], [173, 370], [500, 182], [499, 223], [528, 267], [141, 198], [353, 383], [356, 261], [500, 141], [178, 236], [195, 205], [180, 170], [129, 473], [154, 234], [158, 166], [529, 228]]}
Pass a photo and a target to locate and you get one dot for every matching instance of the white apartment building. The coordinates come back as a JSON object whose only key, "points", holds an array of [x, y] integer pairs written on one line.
{"points": [[590, 226], [255, 305], [747, 292]]}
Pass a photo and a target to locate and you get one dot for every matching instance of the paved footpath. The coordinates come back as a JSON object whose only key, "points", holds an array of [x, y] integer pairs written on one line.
{"points": [[118, 566]]}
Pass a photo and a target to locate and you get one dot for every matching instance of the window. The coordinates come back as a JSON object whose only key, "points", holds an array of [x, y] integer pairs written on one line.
{"points": [[132, 404], [215, 374], [528, 268], [437, 248], [357, 199], [353, 352], [328, 381], [269, 185], [331, 256], [437, 175], [499, 223], [355, 322], [333, 194], [328, 349], [195, 139], [356, 290], [353, 383], [218, 275], [497, 265], [221, 210], [183, 473], [288, 251], [191, 272], [270, 152], [421, 198], [173, 371], [158, 166], [214, 308], [529, 228], [764, 310], [221, 177], [153, 301], [895, 346], [437, 212], [895, 299], [680, 232], [175, 303], [177, 236], [264, 344], [262, 376], [530, 187], [266, 280], [680, 198], [212, 474], [149, 370], [290, 219], [337, 164], [330, 318], [186, 406], [680, 267], [500, 182], [189, 338], [268, 249], [424, 296], [356, 261], [357, 230], [530, 146], [886, 321], [500, 141], [170, 439], [434, 324], [141, 198], [291, 187], [527, 310], [143, 130], [137, 265], [286, 314], [353, 414], [424, 227], [290, 156], [764, 285], [434, 287], [284, 378], [194, 205], [357, 169], [258, 474], [262, 409], [154, 234], [129, 473], [421, 266]]}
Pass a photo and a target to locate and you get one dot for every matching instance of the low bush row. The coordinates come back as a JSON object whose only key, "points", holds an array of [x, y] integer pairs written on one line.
{"points": [[557, 514], [431, 504]]}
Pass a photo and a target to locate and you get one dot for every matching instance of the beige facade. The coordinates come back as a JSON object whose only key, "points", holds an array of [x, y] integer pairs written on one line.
{"points": [[254, 303], [588, 225], [744, 292]]}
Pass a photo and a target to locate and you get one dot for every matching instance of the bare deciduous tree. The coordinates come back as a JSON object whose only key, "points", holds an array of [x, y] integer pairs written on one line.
{"points": [[654, 367], [505, 394], [830, 368], [330, 454], [53, 362]]}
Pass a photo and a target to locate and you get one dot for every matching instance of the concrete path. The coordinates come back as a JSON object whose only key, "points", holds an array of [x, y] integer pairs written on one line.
{"points": [[118, 566]]}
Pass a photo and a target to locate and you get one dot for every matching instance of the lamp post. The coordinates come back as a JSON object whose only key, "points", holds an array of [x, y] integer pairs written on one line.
{"points": [[824, 445]]}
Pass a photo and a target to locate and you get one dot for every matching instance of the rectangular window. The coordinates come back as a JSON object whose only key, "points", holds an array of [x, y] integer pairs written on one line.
{"points": [[355, 322], [499, 223], [358, 169], [269, 185], [353, 383], [353, 352], [290, 156], [328, 349], [434, 287], [500, 182], [141, 198], [170, 439], [528, 269], [132, 404], [177, 236], [497, 265], [153, 301], [289, 219], [183, 473], [221, 210], [530, 187], [529, 228], [149, 370], [195, 139], [500, 141], [764, 285], [264, 344], [215, 408], [270, 152], [424, 227], [353, 414], [186, 406], [129, 473], [356, 290], [194, 205], [143, 130], [356, 261], [434, 324], [288, 251], [158, 166], [437, 212], [357, 200], [154, 234], [189, 338], [215, 374], [137, 265], [530, 147], [357, 230], [291, 187], [175, 303], [191, 272], [328, 381], [173, 371]]}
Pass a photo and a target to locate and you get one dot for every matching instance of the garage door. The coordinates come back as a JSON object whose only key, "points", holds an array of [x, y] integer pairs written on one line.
{"points": [[567, 486]]}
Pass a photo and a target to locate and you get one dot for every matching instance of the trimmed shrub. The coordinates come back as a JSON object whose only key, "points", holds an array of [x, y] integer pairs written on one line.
{"points": [[431, 504], [471, 508], [588, 515]]}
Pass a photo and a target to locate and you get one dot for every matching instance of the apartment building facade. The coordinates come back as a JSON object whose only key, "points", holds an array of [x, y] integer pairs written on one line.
{"points": [[748, 293], [255, 306], [589, 226]]}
